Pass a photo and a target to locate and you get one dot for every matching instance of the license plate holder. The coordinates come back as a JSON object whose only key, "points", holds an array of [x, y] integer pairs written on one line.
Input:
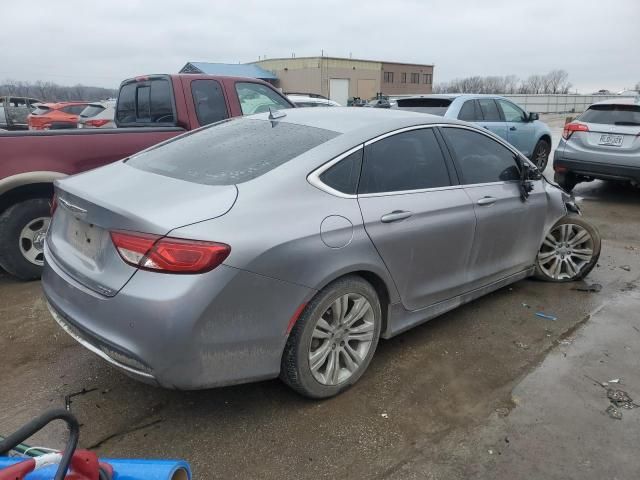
{"points": [[84, 237], [610, 140]]}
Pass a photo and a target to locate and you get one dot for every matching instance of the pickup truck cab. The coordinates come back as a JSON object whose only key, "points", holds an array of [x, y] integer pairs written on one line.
{"points": [[149, 110]]}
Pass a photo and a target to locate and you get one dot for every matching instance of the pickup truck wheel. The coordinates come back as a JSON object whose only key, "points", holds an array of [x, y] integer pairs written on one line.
{"points": [[23, 227]]}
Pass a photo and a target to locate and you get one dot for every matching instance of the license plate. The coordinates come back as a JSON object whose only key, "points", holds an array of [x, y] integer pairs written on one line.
{"points": [[84, 237], [611, 140]]}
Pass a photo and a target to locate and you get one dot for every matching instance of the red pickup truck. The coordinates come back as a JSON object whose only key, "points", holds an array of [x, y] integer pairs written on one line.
{"points": [[150, 109]]}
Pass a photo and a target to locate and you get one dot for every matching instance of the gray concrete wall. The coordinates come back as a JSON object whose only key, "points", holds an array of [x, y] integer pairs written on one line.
{"points": [[556, 103]]}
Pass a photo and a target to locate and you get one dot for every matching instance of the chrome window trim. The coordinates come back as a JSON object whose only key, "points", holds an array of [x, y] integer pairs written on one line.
{"points": [[314, 177]]}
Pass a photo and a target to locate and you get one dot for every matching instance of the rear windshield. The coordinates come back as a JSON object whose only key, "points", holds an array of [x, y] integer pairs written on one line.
{"points": [[612, 114], [40, 110], [91, 111], [434, 106], [230, 152], [149, 101]]}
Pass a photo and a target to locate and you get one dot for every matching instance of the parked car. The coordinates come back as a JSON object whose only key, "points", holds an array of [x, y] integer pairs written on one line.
{"points": [[50, 116], [378, 103], [147, 112], [499, 115], [312, 95], [306, 101], [14, 111], [189, 266], [603, 142], [98, 115]]}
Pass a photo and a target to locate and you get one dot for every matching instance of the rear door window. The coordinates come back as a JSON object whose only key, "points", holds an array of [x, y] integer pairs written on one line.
{"points": [[612, 114], [257, 98], [208, 98], [230, 152], [410, 160], [148, 101], [489, 110], [480, 158], [470, 112]]}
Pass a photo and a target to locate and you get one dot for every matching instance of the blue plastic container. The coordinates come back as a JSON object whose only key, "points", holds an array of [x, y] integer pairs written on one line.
{"points": [[123, 469]]}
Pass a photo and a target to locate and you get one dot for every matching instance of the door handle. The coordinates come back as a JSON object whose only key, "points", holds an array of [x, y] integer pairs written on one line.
{"points": [[513, 129], [395, 216], [487, 201]]}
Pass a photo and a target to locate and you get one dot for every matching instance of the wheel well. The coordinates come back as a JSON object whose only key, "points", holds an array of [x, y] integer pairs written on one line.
{"points": [[383, 293], [25, 192], [546, 138]]}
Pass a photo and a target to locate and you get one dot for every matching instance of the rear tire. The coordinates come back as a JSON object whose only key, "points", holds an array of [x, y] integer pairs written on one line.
{"points": [[334, 339], [540, 156], [569, 251], [22, 230], [567, 181]]}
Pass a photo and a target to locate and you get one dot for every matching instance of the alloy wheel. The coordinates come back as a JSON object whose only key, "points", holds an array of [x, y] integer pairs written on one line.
{"points": [[31, 240], [566, 250], [341, 339], [541, 156]]}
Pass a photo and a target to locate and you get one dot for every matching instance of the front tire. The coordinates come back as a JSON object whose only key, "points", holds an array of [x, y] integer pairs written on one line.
{"points": [[569, 251], [23, 227], [333, 341]]}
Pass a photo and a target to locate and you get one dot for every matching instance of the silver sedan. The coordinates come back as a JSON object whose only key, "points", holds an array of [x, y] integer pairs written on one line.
{"points": [[287, 244]]}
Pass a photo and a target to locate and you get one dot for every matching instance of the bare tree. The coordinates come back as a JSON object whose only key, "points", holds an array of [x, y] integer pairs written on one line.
{"points": [[52, 92]]}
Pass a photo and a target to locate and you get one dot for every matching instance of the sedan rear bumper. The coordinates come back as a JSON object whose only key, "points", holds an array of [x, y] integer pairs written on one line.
{"points": [[181, 331]]}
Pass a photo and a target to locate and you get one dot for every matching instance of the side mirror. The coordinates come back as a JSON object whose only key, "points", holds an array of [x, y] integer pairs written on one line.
{"points": [[533, 116]]}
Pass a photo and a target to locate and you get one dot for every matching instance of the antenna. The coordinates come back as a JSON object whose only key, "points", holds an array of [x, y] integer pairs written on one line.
{"points": [[275, 114]]}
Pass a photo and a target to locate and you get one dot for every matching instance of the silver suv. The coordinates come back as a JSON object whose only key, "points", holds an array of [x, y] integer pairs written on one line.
{"points": [[603, 142]]}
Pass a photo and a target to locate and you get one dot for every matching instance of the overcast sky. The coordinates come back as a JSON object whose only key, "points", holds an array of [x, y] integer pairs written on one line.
{"points": [[102, 42]]}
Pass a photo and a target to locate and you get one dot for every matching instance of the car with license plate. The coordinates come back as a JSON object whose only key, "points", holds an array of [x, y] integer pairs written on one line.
{"points": [[602, 143], [287, 244], [522, 129]]}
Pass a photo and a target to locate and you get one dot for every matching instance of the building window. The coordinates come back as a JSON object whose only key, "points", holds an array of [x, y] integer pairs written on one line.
{"points": [[388, 77], [403, 77], [427, 78], [415, 78]]}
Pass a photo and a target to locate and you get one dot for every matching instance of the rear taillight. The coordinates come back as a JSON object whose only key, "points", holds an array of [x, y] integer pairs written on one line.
{"points": [[168, 255], [569, 128], [96, 123]]}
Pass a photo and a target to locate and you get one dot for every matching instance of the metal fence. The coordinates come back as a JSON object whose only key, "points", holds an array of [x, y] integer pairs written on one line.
{"points": [[543, 103]]}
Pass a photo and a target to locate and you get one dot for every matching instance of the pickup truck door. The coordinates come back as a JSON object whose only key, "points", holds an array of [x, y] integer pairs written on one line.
{"points": [[207, 100], [492, 118]]}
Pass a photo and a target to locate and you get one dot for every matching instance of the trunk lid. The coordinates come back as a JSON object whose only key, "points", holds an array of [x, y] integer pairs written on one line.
{"points": [[91, 204]]}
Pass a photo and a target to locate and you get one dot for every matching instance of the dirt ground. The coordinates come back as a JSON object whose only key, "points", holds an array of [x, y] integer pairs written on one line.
{"points": [[458, 397]]}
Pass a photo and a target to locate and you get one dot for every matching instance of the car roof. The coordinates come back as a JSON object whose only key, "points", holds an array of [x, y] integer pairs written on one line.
{"points": [[451, 96], [374, 121], [619, 101], [306, 98]]}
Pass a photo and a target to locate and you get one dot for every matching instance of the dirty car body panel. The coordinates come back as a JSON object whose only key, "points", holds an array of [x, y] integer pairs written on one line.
{"points": [[272, 191]]}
